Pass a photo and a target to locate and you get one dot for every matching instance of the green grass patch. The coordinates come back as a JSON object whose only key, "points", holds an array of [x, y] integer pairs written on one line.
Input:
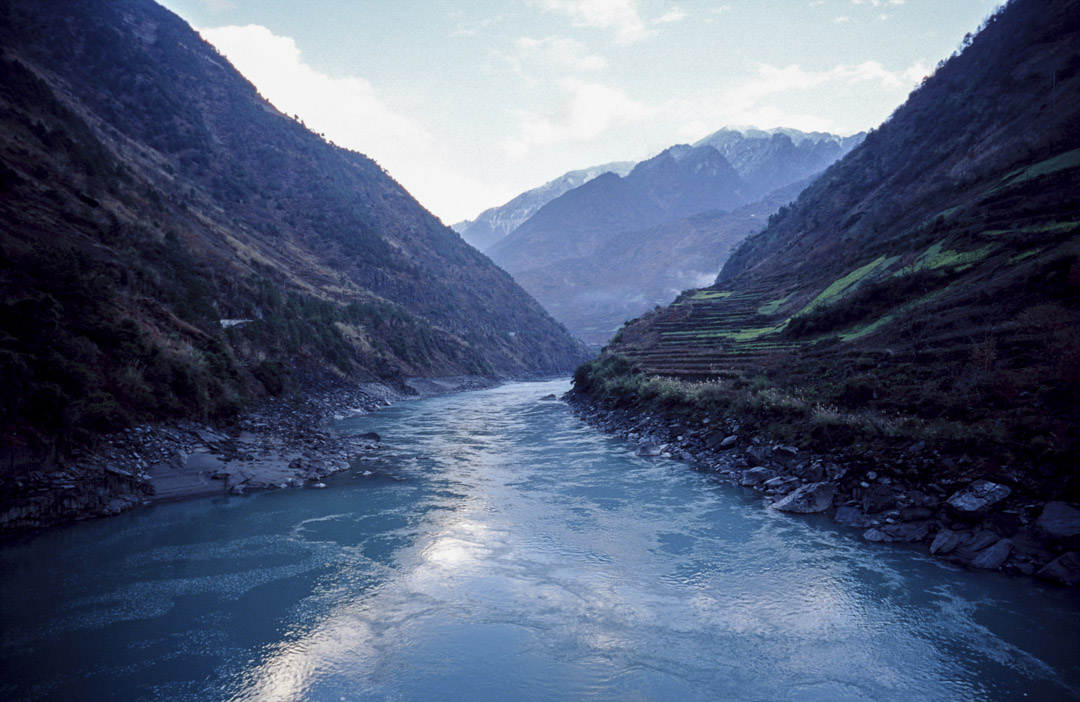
{"points": [[1069, 159], [711, 294], [770, 308], [1027, 254], [842, 285], [937, 256]]}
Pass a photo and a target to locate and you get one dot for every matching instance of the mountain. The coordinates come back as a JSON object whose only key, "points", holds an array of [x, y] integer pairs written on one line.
{"points": [[173, 246], [676, 183], [631, 273], [493, 224], [924, 290], [770, 159], [574, 253]]}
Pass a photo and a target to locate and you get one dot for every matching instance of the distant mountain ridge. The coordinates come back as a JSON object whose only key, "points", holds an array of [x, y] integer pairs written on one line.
{"points": [[580, 229], [494, 223]]}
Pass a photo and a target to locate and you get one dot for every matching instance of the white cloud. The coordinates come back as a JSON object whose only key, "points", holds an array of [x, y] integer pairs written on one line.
{"points": [[351, 113], [675, 15], [842, 19], [878, 3], [591, 110], [620, 16], [761, 100], [566, 53]]}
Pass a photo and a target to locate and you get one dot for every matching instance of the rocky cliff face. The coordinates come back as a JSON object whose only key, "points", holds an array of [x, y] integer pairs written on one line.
{"points": [[173, 246]]}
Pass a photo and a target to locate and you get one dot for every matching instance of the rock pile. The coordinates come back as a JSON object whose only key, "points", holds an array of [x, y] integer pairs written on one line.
{"points": [[965, 518], [283, 443]]}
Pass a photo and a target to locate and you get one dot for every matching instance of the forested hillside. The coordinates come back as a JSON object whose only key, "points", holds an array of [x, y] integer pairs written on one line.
{"points": [[173, 246]]}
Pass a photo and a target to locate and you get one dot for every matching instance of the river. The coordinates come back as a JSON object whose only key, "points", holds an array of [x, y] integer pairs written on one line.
{"points": [[498, 548]]}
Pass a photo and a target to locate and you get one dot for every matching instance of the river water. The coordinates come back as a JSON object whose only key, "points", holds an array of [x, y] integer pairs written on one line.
{"points": [[501, 549]]}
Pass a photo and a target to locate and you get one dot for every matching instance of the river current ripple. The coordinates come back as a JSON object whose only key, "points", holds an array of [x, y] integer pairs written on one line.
{"points": [[498, 548]]}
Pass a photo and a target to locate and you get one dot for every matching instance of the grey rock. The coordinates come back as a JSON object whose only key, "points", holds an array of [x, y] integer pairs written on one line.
{"points": [[909, 532], [755, 476], [649, 450], [971, 543], [1060, 523], [852, 517], [876, 535], [204, 463], [1065, 569], [729, 442], [914, 514], [878, 498], [816, 497], [992, 557], [945, 541], [977, 498]]}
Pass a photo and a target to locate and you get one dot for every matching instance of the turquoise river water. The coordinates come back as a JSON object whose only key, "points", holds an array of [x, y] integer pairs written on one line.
{"points": [[501, 549]]}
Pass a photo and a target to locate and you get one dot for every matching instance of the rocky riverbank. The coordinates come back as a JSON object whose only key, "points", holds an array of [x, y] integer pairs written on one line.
{"points": [[282, 443], [965, 519]]}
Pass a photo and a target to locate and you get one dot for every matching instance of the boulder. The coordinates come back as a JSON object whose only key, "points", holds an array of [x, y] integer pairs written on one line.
{"points": [[977, 499], [972, 543], [991, 557], [1065, 569], [916, 514], [1060, 523], [650, 450], [755, 476], [729, 441], [852, 517], [876, 535], [945, 541], [757, 455], [370, 436], [816, 497], [878, 498], [909, 532]]}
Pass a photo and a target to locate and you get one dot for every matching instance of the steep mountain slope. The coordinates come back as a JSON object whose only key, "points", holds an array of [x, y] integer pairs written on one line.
{"points": [[678, 182], [493, 224], [926, 288], [770, 159], [631, 273], [171, 245], [614, 247]]}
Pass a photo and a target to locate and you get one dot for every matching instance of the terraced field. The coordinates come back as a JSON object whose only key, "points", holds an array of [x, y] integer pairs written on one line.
{"points": [[716, 334]]}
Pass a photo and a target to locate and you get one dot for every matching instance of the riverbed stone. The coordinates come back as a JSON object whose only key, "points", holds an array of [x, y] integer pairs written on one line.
{"points": [[1064, 569], [852, 517], [945, 541], [977, 499], [878, 498], [1060, 523], [755, 476], [816, 497], [992, 557]]}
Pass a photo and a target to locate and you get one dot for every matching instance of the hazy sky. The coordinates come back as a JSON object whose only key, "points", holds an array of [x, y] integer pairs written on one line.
{"points": [[469, 102]]}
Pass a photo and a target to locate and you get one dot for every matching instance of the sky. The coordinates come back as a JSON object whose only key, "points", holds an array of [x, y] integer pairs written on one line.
{"points": [[468, 103]]}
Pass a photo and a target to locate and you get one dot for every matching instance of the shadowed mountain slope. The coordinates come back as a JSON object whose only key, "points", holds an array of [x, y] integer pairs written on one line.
{"points": [[927, 286], [614, 247], [172, 245], [493, 224]]}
